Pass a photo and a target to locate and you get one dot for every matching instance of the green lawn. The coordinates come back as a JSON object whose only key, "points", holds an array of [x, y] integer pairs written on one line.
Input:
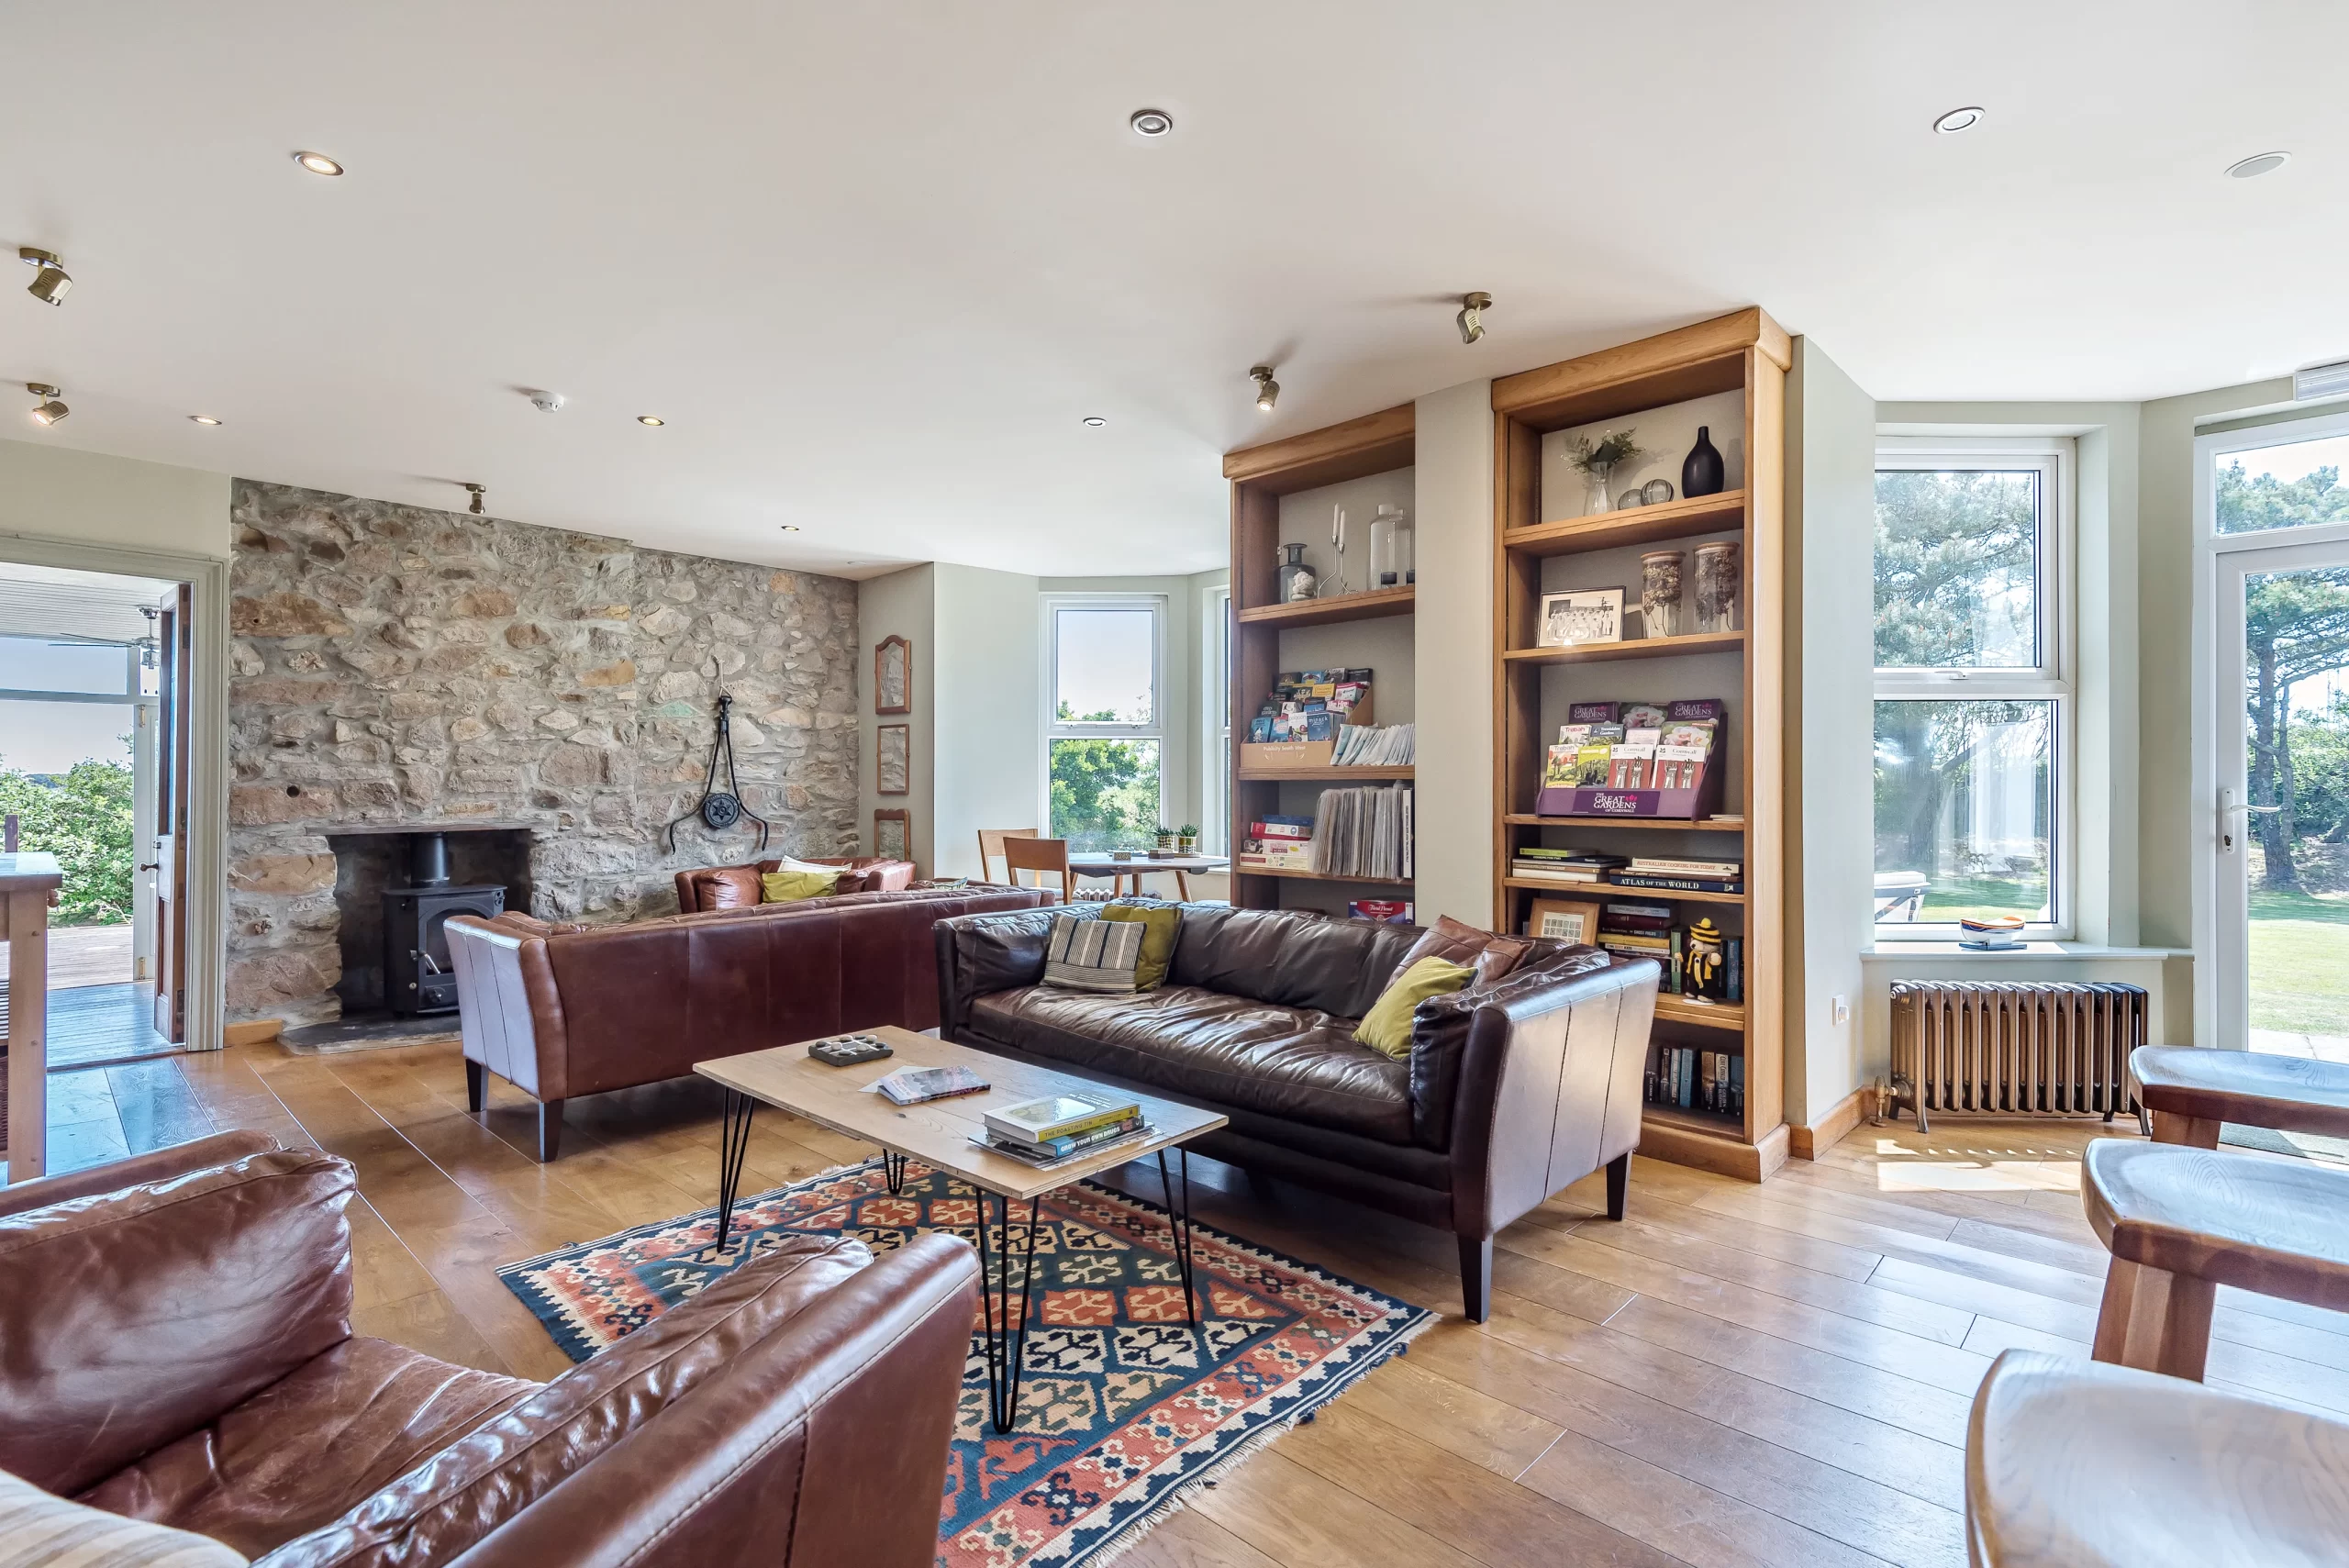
{"points": [[2300, 963], [1957, 897]]}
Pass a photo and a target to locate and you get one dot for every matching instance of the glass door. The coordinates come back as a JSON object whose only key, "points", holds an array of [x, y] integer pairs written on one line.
{"points": [[2281, 893]]}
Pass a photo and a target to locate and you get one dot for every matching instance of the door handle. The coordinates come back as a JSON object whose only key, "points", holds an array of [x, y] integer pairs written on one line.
{"points": [[2228, 807], [150, 865]]}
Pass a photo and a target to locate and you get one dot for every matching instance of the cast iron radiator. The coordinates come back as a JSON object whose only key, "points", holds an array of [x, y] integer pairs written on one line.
{"points": [[1989, 1048]]}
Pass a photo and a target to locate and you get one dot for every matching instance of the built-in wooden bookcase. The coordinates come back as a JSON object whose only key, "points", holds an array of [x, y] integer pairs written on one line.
{"points": [[1376, 444], [1545, 547]]}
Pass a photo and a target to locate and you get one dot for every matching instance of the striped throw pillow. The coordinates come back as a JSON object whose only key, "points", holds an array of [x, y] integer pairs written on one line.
{"points": [[37, 1527], [1094, 955]]}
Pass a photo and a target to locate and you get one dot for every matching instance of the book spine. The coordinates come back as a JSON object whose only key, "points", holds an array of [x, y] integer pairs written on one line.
{"points": [[1733, 968], [1675, 884], [1078, 1128], [1061, 1147], [1678, 955]]}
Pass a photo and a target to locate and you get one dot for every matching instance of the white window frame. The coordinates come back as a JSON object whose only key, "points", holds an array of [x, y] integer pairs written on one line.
{"points": [[1053, 730], [2051, 680], [1215, 721]]}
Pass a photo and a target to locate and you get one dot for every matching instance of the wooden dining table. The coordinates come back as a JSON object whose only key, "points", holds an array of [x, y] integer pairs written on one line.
{"points": [[1100, 862], [28, 885]]}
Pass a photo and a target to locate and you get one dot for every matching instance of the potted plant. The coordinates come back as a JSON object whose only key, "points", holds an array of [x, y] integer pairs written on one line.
{"points": [[1187, 838], [1166, 836], [1596, 460]]}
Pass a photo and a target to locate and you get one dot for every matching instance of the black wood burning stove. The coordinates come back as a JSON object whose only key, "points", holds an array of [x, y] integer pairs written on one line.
{"points": [[417, 973]]}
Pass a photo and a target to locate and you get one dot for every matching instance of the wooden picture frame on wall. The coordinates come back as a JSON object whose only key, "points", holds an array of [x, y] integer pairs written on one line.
{"points": [[893, 758], [1568, 919], [893, 833], [893, 675]]}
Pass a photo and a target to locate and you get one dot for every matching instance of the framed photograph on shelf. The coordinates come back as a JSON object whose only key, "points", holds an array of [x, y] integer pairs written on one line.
{"points": [[1584, 614], [893, 756], [1567, 919], [893, 675], [893, 834]]}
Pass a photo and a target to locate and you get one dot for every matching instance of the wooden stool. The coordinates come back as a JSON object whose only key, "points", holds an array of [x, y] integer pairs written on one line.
{"points": [[2182, 1222], [2069, 1465], [2191, 1092]]}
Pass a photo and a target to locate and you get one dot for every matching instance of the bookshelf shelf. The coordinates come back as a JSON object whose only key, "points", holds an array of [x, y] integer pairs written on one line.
{"points": [[1374, 604], [1338, 632], [1638, 647], [1322, 876], [1641, 524], [1644, 383], [1362, 775]]}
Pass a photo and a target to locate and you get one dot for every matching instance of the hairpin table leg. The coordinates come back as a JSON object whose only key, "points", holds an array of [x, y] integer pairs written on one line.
{"points": [[893, 1170], [1178, 1219], [1007, 1340], [733, 1142]]}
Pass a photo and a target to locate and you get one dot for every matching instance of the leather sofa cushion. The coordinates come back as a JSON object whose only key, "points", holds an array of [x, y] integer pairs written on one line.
{"points": [[253, 1478], [1456, 941], [1290, 958], [455, 1497], [1216, 1048], [95, 1298], [725, 887]]}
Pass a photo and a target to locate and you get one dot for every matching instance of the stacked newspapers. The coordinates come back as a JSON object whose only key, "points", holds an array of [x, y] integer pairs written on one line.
{"points": [[1364, 832], [1362, 746]]}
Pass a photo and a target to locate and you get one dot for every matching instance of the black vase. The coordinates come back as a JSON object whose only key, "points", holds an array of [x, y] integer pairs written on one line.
{"points": [[1701, 473]]}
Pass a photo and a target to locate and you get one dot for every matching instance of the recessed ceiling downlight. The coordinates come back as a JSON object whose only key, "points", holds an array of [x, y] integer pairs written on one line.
{"points": [[1093, 422], [1151, 122], [653, 420], [1957, 120], [791, 527], [2257, 164], [202, 419], [317, 163]]}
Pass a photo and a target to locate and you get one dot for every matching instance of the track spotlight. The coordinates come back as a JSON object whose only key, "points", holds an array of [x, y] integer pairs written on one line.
{"points": [[1472, 314], [478, 492], [49, 411], [49, 284], [1268, 391]]}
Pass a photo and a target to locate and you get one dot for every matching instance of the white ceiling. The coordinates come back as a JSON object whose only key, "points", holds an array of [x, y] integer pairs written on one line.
{"points": [[876, 262]]}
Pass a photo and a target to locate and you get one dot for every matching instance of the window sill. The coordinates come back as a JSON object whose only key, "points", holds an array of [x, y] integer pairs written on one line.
{"points": [[1940, 952]]}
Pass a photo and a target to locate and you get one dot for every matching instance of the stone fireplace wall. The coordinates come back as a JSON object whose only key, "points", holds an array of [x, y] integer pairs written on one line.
{"points": [[394, 664]]}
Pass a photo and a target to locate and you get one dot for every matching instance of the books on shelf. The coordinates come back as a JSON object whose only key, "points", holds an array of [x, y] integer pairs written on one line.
{"points": [[1387, 911], [1694, 1079], [1542, 864], [1278, 843], [1364, 746], [1310, 705], [1070, 1114], [1364, 831], [1662, 883], [1713, 871], [913, 1085]]}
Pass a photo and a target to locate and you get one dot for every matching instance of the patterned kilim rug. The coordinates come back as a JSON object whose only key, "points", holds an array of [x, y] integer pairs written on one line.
{"points": [[1125, 1405]]}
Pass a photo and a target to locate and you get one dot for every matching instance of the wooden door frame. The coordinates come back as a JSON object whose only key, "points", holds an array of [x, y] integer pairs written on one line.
{"points": [[208, 578]]}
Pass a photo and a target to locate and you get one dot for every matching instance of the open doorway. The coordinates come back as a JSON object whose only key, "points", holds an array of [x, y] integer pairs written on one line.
{"points": [[94, 771]]}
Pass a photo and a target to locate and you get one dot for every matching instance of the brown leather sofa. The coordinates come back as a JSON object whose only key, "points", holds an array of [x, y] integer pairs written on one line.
{"points": [[179, 1350], [1510, 1092], [559, 1010], [706, 889]]}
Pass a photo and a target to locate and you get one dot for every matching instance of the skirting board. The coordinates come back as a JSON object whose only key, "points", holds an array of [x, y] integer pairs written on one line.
{"points": [[252, 1032], [1806, 1141]]}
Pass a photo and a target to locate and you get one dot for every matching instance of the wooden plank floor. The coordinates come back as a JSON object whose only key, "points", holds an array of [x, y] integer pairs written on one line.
{"points": [[1734, 1375]]}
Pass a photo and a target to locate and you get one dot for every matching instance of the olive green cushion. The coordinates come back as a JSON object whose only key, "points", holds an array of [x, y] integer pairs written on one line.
{"points": [[1158, 925], [1386, 1028], [783, 886]]}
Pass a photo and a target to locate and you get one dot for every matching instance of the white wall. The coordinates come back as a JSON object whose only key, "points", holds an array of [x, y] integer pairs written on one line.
{"points": [[52, 493], [1453, 653], [989, 750], [902, 605], [1830, 530]]}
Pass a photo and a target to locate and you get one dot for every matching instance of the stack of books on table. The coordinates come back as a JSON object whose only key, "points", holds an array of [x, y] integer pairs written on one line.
{"points": [[1562, 866], [1062, 1126], [1666, 875], [1640, 930], [1278, 843]]}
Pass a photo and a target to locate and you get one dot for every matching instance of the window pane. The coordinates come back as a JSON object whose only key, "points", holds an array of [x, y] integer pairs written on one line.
{"points": [[1957, 569], [1963, 810], [1104, 793], [1103, 667], [2286, 486], [39, 664]]}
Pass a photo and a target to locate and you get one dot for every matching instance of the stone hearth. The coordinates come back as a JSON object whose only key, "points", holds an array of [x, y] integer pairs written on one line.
{"points": [[394, 665]]}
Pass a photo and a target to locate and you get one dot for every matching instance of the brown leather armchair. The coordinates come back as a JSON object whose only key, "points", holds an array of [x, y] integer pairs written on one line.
{"points": [[707, 888], [180, 1350], [559, 1010]]}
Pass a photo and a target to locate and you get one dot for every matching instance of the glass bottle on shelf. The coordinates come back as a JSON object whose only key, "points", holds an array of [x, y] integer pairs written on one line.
{"points": [[1293, 581], [1390, 548]]}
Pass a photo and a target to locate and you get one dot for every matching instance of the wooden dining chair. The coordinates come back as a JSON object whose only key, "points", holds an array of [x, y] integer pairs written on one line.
{"points": [[1044, 857], [991, 848]]}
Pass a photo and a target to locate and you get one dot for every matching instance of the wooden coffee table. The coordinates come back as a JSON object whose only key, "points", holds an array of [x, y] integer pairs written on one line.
{"points": [[938, 1134]]}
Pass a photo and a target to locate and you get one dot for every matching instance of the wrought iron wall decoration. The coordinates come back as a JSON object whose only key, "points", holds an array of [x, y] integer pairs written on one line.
{"points": [[721, 809]]}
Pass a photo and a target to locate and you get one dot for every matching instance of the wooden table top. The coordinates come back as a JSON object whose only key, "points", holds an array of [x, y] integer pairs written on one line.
{"points": [[2276, 1227], [1100, 862], [2292, 1094], [2075, 1464], [29, 874], [937, 1133]]}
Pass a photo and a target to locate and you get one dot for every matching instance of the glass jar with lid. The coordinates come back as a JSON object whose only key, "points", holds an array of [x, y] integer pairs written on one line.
{"points": [[1293, 581], [1390, 548]]}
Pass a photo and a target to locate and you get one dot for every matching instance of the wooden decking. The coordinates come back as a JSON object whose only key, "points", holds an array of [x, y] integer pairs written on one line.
{"points": [[1733, 1375]]}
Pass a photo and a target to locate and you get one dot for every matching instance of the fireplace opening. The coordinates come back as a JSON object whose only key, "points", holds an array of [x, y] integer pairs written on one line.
{"points": [[395, 889]]}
